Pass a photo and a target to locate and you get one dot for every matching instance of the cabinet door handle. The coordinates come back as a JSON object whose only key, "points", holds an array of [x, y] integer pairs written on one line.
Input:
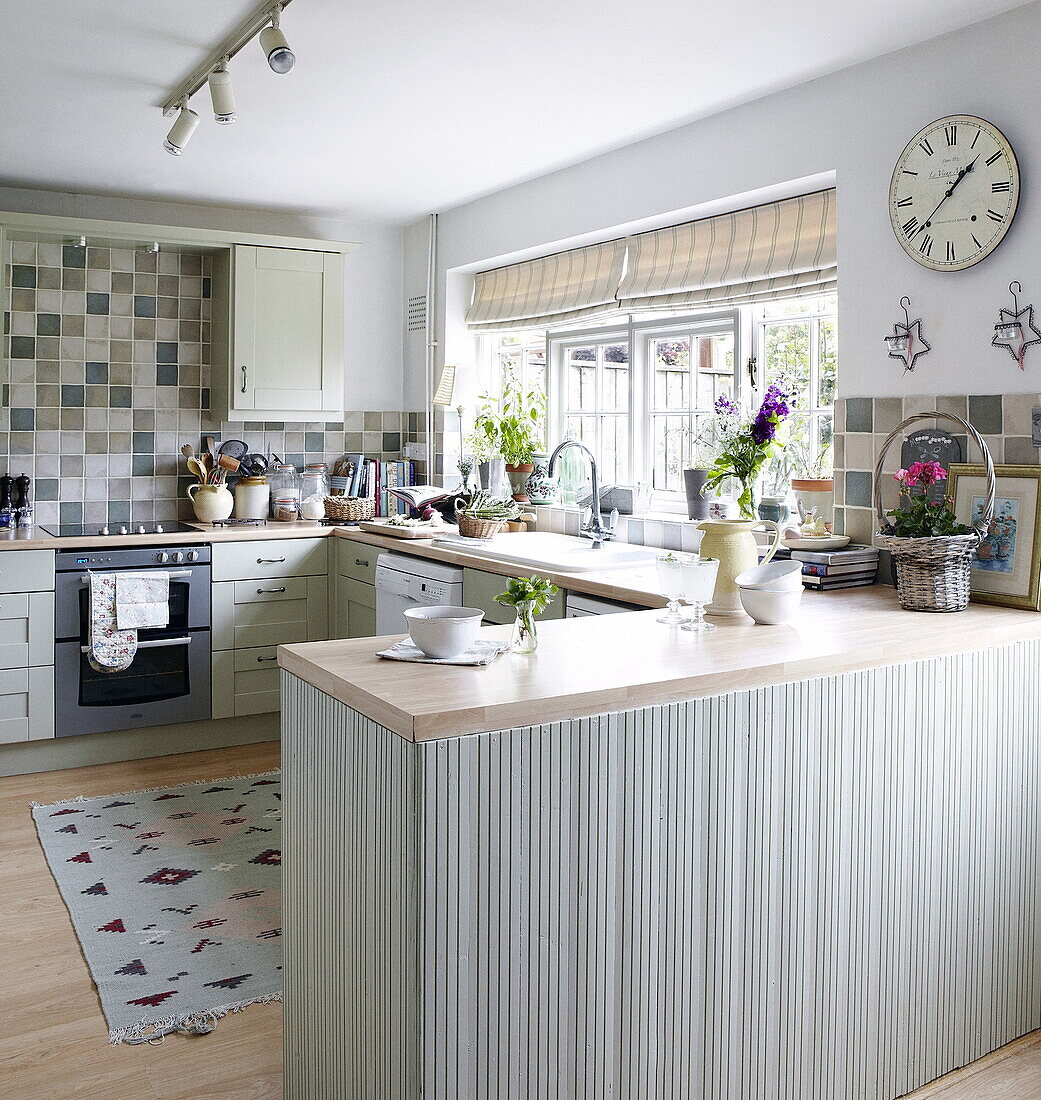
{"points": [[261, 591], [270, 561], [361, 561], [267, 659], [243, 377]]}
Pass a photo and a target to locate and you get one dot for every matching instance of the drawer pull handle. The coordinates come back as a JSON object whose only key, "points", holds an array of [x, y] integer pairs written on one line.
{"points": [[243, 378], [263, 591], [267, 658], [361, 561], [270, 561]]}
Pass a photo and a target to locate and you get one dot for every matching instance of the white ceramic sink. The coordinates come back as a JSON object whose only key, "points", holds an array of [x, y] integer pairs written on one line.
{"points": [[540, 549]]}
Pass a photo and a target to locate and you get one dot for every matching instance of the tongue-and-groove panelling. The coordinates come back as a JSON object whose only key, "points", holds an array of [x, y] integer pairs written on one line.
{"points": [[820, 889]]}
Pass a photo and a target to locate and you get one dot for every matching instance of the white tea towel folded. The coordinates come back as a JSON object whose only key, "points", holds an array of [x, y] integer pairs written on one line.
{"points": [[109, 649], [142, 601]]}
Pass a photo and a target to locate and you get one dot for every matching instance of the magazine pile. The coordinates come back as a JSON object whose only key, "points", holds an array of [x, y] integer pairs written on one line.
{"points": [[851, 567]]}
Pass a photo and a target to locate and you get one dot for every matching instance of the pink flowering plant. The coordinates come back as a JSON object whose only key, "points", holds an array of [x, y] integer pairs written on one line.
{"points": [[746, 445], [918, 517]]}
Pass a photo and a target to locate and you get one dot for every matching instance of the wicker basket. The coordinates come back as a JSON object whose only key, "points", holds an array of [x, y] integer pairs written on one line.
{"points": [[471, 528], [350, 509], [933, 574]]}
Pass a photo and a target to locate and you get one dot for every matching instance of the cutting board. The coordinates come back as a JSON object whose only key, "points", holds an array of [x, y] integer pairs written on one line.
{"points": [[376, 528]]}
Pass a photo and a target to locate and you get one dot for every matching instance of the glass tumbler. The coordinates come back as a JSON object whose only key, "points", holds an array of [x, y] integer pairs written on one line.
{"points": [[699, 582]]}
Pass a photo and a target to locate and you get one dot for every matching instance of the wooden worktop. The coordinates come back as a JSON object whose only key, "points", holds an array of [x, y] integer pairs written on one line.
{"points": [[597, 665], [35, 538]]}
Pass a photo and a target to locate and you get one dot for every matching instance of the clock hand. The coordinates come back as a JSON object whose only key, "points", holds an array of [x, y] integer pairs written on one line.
{"points": [[947, 194]]}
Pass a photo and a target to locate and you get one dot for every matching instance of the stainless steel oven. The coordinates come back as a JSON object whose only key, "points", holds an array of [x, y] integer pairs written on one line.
{"points": [[169, 678]]}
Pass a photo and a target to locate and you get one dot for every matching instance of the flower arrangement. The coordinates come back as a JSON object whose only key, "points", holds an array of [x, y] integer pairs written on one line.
{"points": [[528, 596], [747, 445], [918, 517]]}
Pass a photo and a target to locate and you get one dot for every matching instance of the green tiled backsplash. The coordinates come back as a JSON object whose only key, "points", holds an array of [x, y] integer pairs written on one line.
{"points": [[108, 355], [863, 423]]}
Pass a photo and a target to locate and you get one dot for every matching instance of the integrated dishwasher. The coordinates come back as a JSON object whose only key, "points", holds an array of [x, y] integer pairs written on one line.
{"points": [[403, 582]]}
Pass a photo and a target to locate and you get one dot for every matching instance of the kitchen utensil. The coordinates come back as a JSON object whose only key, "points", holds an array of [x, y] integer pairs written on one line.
{"points": [[226, 462], [442, 630], [188, 450], [197, 468], [732, 541], [770, 607], [211, 502], [255, 465], [233, 448], [775, 576], [211, 445]]}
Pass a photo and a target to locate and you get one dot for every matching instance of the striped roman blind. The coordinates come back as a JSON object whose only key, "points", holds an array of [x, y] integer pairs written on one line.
{"points": [[550, 290], [773, 251]]}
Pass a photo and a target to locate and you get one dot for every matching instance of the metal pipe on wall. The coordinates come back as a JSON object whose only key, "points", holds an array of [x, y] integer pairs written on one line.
{"points": [[431, 342]]}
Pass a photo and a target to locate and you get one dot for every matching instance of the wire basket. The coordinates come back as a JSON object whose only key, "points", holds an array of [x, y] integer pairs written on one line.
{"points": [[471, 528], [934, 573], [350, 509]]}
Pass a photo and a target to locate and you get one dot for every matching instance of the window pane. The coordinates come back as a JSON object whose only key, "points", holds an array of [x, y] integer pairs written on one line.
{"points": [[788, 359], [715, 356], [581, 373], [827, 369], [616, 378], [825, 431], [672, 374], [670, 444], [582, 428], [613, 459]]}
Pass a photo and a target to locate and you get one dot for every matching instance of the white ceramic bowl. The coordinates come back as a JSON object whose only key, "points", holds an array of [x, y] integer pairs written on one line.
{"points": [[443, 631], [771, 608], [775, 575]]}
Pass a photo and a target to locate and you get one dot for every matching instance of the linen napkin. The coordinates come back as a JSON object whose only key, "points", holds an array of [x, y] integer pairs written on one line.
{"points": [[142, 601]]}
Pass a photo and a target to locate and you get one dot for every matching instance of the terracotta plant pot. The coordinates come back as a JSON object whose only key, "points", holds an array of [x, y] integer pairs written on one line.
{"points": [[518, 476], [815, 494]]}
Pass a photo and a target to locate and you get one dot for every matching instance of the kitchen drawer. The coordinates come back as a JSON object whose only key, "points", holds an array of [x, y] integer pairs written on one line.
{"points": [[245, 682], [271, 612], [237, 561], [26, 570], [357, 560], [481, 588], [26, 629], [26, 704]]}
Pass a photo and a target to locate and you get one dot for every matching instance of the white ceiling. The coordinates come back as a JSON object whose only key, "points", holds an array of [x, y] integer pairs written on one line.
{"points": [[399, 107]]}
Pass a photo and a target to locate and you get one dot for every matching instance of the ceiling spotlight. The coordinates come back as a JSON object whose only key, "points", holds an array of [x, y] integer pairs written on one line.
{"points": [[182, 129], [273, 42], [222, 95]]}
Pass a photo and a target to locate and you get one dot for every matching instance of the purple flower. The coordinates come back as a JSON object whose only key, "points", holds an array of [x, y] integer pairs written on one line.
{"points": [[726, 407]]}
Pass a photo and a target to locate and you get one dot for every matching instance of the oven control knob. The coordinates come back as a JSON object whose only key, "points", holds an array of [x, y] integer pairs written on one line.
{"points": [[158, 528], [178, 556], [103, 531], [162, 557], [193, 555], [123, 530], [140, 528]]}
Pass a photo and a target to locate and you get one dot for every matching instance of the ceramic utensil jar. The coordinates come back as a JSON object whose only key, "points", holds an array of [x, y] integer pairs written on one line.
{"points": [[251, 498], [732, 542], [211, 502]]}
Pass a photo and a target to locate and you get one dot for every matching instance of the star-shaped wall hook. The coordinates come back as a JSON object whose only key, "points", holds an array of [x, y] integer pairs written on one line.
{"points": [[916, 344], [1016, 331]]}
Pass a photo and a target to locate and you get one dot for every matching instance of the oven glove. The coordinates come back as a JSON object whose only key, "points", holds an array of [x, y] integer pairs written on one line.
{"points": [[108, 648]]}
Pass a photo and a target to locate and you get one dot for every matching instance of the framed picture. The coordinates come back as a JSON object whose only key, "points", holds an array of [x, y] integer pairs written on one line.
{"points": [[1007, 567]]}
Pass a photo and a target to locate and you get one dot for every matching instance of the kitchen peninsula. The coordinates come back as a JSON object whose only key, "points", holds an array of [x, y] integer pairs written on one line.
{"points": [[771, 861]]}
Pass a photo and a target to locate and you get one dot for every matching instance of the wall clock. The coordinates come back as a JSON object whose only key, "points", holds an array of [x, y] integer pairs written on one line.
{"points": [[954, 193]]}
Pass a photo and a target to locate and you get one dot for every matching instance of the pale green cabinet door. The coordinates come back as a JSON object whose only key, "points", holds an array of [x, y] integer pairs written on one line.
{"points": [[481, 587], [288, 331]]}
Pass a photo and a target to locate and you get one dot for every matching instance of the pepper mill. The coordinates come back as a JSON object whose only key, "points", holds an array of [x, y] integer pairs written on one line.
{"points": [[23, 508]]}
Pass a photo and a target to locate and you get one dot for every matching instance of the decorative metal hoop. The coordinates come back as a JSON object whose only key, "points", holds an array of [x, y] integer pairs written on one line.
{"points": [[988, 509]]}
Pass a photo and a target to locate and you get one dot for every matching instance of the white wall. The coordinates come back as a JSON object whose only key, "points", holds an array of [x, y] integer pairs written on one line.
{"points": [[853, 124], [373, 352]]}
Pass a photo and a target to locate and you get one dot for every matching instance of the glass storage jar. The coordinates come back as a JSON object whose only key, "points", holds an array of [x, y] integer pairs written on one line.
{"points": [[284, 482], [314, 488]]}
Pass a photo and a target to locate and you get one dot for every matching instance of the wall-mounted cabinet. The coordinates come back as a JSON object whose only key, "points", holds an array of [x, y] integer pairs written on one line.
{"points": [[278, 332]]}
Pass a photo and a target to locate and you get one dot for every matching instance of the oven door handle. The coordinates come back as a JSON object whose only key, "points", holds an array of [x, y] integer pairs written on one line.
{"points": [[174, 575], [151, 643]]}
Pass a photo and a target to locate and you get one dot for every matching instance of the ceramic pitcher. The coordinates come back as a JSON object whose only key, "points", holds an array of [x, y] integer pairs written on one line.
{"points": [[211, 502], [732, 542]]}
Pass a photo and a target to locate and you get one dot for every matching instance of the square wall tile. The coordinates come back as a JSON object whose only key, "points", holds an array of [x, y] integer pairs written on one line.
{"points": [[986, 414], [859, 414]]}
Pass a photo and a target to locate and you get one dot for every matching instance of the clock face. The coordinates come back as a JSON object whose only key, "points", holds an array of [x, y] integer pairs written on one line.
{"points": [[954, 193]]}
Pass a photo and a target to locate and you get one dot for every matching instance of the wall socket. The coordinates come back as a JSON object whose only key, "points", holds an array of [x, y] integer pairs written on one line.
{"points": [[417, 452]]}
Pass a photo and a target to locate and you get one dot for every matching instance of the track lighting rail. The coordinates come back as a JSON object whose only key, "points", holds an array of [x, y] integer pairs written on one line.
{"points": [[236, 41]]}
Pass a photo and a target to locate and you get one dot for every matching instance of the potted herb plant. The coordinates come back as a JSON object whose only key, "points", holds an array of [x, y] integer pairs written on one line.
{"points": [[511, 427], [529, 597], [697, 473]]}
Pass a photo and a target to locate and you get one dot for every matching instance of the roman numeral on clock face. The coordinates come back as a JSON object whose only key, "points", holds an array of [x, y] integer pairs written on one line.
{"points": [[951, 257], [911, 227], [995, 216], [926, 147], [926, 246], [1002, 185], [906, 202], [994, 159], [974, 241], [951, 133]]}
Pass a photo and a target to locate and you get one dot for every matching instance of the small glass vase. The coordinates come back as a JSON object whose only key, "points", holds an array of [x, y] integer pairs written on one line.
{"points": [[525, 639]]}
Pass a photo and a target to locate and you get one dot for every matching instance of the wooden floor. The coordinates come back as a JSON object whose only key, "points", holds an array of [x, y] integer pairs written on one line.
{"points": [[54, 1039], [54, 1045]]}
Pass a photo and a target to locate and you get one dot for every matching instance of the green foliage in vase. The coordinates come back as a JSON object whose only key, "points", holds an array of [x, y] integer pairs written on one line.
{"points": [[534, 591]]}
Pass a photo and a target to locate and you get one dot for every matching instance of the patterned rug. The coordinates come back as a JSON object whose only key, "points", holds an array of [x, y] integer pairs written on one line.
{"points": [[176, 897]]}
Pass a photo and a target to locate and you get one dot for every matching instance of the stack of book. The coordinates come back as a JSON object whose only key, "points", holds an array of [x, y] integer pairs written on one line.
{"points": [[372, 478], [851, 567]]}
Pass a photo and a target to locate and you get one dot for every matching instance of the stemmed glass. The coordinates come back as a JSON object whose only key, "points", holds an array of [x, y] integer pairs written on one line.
{"points": [[699, 582], [670, 577]]}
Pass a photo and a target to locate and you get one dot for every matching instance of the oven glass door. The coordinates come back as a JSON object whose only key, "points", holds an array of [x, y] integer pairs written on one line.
{"points": [[180, 600], [160, 670]]}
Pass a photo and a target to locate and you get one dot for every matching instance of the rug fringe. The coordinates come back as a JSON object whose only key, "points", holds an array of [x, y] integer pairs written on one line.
{"points": [[203, 1022], [151, 790]]}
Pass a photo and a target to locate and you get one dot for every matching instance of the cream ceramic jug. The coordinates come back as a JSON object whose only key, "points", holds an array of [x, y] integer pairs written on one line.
{"points": [[211, 502], [732, 542]]}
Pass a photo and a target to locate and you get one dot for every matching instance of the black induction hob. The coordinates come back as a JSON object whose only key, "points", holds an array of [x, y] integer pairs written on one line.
{"points": [[83, 530]]}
